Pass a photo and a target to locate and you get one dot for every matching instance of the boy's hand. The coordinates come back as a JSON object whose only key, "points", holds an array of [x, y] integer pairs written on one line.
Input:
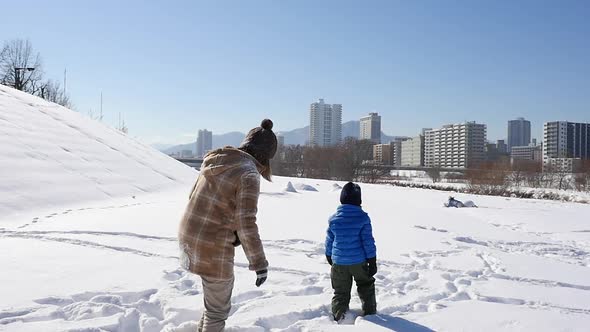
{"points": [[329, 259], [372, 266], [261, 277]]}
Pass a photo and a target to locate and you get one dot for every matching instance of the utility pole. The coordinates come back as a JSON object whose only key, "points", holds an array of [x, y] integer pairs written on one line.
{"points": [[16, 80], [65, 76], [100, 106]]}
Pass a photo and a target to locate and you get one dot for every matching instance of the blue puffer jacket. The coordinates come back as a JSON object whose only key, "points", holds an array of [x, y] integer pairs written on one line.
{"points": [[350, 237]]}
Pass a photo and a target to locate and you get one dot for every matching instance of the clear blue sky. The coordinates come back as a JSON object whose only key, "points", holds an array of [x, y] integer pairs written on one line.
{"points": [[172, 67]]}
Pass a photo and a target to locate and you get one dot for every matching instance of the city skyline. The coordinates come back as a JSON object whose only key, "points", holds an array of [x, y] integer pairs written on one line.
{"points": [[427, 63]]}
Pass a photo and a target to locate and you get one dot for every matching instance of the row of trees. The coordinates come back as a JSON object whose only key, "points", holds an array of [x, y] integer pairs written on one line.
{"points": [[503, 175], [344, 162], [348, 162], [22, 68]]}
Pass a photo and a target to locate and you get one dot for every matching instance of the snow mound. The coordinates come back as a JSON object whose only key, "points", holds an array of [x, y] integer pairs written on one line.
{"points": [[54, 156], [305, 187], [290, 188], [336, 187]]}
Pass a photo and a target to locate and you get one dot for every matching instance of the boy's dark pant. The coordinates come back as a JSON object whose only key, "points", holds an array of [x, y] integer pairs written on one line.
{"points": [[342, 276]]}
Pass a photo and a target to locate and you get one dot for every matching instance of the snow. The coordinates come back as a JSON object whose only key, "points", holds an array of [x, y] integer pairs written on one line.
{"points": [[52, 156], [75, 258]]}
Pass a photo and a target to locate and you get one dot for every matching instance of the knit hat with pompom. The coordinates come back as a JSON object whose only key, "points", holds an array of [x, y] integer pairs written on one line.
{"points": [[261, 143]]}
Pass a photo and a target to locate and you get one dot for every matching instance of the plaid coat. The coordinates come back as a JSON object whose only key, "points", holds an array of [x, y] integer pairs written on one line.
{"points": [[223, 200]]}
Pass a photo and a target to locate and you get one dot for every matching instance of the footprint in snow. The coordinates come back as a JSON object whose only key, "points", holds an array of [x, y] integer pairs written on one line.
{"points": [[173, 275], [310, 290]]}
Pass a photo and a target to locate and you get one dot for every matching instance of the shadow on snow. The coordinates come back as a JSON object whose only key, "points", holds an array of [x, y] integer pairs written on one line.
{"points": [[397, 324]]}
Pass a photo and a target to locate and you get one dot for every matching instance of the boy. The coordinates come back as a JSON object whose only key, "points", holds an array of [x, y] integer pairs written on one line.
{"points": [[350, 250]]}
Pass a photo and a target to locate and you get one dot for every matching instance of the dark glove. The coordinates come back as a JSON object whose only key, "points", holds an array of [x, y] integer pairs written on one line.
{"points": [[372, 266], [329, 259], [261, 277], [237, 242]]}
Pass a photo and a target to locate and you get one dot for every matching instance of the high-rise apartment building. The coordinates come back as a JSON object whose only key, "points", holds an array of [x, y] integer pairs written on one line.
{"points": [[455, 146], [565, 140], [204, 143], [383, 154], [396, 154], [519, 133], [389, 154], [412, 151], [325, 124], [370, 128]]}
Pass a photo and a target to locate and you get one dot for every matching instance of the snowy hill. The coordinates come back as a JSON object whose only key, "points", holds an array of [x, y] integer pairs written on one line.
{"points": [[80, 253], [53, 156]]}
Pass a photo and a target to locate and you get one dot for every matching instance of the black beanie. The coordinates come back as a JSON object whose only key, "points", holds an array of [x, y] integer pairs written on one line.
{"points": [[261, 143], [351, 194]]}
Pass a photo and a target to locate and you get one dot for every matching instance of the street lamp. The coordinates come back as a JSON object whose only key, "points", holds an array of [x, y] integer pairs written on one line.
{"points": [[17, 80]]}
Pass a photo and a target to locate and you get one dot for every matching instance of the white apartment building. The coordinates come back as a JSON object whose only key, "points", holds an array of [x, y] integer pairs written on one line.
{"points": [[568, 165], [565, 144], [204, 143], [325, 124], [412, 151], [530, 152], [455, 146], [396, 151], [370, 127]]}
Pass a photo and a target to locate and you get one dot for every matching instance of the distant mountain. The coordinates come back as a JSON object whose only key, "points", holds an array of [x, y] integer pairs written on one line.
{"points": [[178, 148], [161, 147], [292, 137], [351, 129], [233, 138], [296, 136]]}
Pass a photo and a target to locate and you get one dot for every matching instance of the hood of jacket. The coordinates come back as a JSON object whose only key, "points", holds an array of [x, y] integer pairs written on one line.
{"points": [[221, 160]]}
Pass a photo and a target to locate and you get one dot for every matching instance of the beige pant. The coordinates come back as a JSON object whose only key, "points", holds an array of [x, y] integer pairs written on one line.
{"points": [[217, 296]]}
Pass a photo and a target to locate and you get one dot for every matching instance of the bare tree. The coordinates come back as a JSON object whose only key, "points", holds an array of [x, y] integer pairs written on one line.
{"points": [[355, 152], [433, 173], [521, 170], [582, 179], [372, 173], [53, 92], [293, 161], [491, 178], [532, 173], [562, 177], [20, 66]]}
